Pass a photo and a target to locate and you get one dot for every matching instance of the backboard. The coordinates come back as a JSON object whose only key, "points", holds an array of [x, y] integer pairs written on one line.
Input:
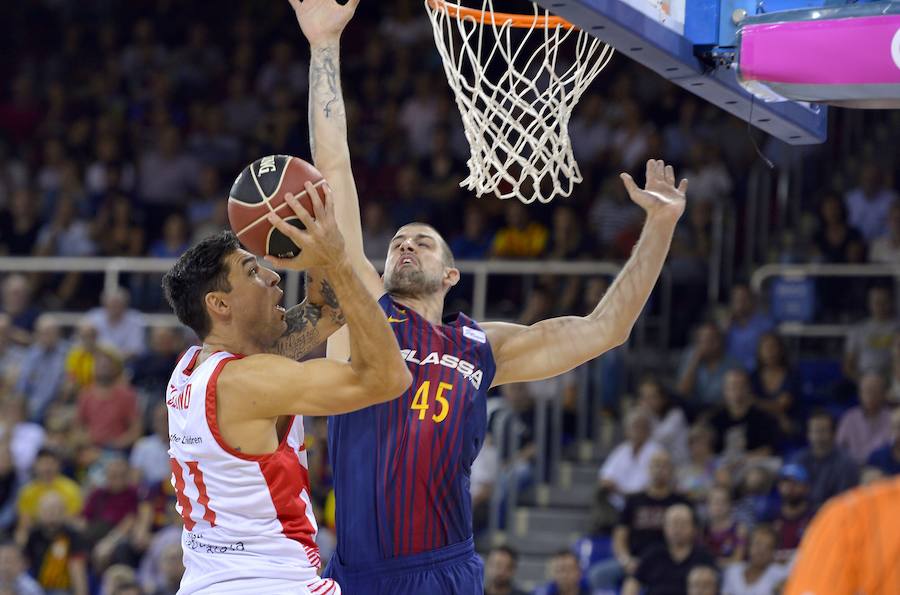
{"points": [[693, 43]]}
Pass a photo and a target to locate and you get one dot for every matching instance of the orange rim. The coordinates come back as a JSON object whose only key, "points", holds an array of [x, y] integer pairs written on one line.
{"points": [[519, 21]]}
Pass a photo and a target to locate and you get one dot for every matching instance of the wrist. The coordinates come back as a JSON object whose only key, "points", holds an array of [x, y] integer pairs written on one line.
{"points": [[325, 43], [664, 217]]}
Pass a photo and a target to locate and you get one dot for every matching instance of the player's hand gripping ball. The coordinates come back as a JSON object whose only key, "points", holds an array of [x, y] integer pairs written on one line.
{"points": [[259, 190]]}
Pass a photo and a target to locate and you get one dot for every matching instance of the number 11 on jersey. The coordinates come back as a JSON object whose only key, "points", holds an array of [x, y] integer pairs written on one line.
{"points": [[420, 401]]}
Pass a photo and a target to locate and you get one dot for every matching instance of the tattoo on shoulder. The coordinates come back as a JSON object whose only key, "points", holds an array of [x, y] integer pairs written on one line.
{"points": [[331, 300]]}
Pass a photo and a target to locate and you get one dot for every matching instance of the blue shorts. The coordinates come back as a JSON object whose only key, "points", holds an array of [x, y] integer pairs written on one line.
{"points": [[452, 570]]}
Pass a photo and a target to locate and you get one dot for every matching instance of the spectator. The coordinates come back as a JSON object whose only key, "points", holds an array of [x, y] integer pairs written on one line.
{"points": [[756, 498], [869, 204], [886, 248], [669, 423], [56, 549], [171, 569], [867, 426], [13, 577], [242, 110], [20, 224], [154, 570], [724, 537], [150, 372], [703, 580], [117, 580], [665, 568], [709, 177], [47, 479], [613, 216], [741, 424], [25, 438], [774, 383], [836, 240], [894, 392], [110, 512], [11, 355], [697, 474], [475, 241], [123, 231], [746, 327], [99, 178], [175, 238], [794, 512], [868, 345], [117, 325], [640, 525], [482, 476], [9, 489], [703, 367], [80, 360], [282, 71], [520, 237], [166, 175], [44, 368], [760, 574], [66, 234], [500, 572], [108, 410], [627, 468], [887, 458], [18, 306], [831, 471], [566, 578], [378, 233], [150, 455]]}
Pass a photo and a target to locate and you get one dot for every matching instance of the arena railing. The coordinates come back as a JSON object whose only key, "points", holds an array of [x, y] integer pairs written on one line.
{"points": [[814, 330]]}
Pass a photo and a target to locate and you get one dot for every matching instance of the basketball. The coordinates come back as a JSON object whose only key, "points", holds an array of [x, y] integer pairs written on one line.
{"points": [[260, 189]]}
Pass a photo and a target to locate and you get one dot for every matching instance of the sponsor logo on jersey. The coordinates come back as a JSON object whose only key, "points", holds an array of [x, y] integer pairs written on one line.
{"points": [[474, 334], [392, 319], [467, 369], [179, 399]]}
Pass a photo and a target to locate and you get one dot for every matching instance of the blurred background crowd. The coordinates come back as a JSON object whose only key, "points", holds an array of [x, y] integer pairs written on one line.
{"points": [[122, 126]]}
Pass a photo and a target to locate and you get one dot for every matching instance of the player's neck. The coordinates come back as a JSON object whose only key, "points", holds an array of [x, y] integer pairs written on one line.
{"points": [[429, 308], [223, 342]]}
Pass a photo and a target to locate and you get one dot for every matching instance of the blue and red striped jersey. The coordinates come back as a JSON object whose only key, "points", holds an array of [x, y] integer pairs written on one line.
{"points": [[401, 468]]}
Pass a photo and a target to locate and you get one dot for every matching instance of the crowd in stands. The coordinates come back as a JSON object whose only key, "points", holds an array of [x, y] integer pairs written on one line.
{"points": [[121, 127]]}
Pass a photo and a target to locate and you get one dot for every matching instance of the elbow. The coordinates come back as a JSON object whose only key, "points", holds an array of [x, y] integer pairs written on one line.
{"points": [[399, 381], [390, 385]]}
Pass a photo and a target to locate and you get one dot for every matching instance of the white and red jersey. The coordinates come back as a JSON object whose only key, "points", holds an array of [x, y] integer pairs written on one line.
{"points": [[245, 516]]}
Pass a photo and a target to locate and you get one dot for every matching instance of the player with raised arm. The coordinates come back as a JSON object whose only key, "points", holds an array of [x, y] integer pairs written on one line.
{"points": [[234, 403], [401, 469]]}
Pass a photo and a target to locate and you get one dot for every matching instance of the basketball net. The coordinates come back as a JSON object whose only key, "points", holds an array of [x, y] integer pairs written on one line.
{"points": [[515, 83]]}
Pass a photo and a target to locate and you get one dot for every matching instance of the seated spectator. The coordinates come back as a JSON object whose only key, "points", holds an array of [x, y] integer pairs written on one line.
{"points": [[9, 489], [703, 367], [868, 345], [597, 545], [116, 578], [500, 572], [47, 479], [55, 549], [520, 237], [867, 426], [741, 422], [664, 569], [149, 458], [640, 525], [869, 204], [11, 354], [80, 360], [175, 238], [669, 423], [476, 238], [484, 471], [110, 512], [171, 569], [894, 391], [13, 577], [794, 512], [44, 368], [566, 578], [25, 438], [703, 580], [627, 468], [614, 217], [117, 325], [887, 458], [746, 327], [18, 305], [696, 476], [760, 574], [150, 371], [836, 240], [107, 410], [886, 248], [831, 470], [755, 496], [153, 563], [723, 536], [773, 383]]}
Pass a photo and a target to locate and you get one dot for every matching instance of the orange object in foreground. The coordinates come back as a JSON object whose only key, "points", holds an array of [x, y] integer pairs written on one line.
{"points": [[852, 546]]}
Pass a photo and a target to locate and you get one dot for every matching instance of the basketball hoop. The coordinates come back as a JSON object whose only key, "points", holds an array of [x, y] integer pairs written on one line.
{"points": [[516, 79]]}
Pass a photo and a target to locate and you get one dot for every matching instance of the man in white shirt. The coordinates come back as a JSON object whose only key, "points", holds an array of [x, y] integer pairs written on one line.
{"points": [[869, 204], [760, 575], [117, 325], [627, 468]]}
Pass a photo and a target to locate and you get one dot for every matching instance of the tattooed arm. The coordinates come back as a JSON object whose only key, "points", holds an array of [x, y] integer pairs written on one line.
{"points": [[311, 321]]}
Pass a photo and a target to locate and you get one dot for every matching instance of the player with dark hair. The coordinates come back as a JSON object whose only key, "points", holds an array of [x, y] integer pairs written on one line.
{"points": [[236, 442], [401, 469]]}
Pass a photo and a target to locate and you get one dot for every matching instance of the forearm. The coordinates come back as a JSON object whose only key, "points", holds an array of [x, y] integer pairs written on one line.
{"points": [[327, 114], [620, 307], [312, 321], [631, 587], [620, 545]]}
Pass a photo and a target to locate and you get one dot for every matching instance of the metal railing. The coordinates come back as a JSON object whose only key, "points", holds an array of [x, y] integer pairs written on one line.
{"points": [[801, 271]]}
